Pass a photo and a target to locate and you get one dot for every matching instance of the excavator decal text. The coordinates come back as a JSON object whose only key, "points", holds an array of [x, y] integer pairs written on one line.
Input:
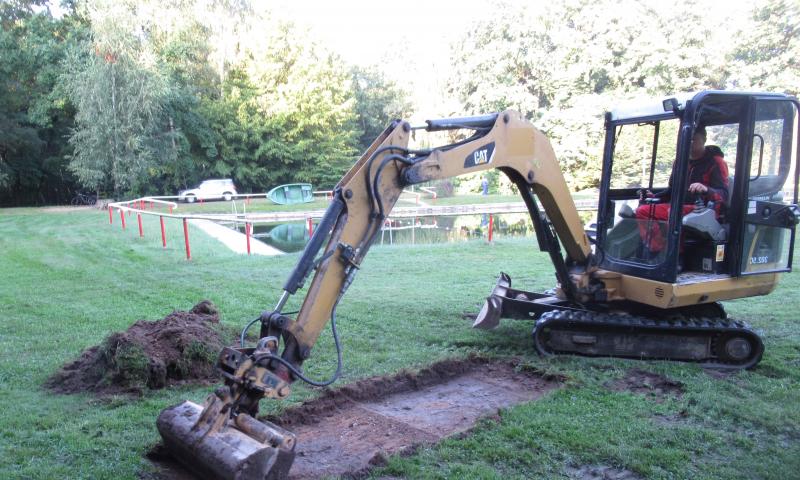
{"points": [[480, 156]]}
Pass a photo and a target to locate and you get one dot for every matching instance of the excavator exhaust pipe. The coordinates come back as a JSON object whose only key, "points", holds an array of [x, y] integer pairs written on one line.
{"points": [[239, 448]]}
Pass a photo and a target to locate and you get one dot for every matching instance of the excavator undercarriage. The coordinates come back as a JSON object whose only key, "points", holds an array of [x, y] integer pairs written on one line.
{"points": [[698, 333]]}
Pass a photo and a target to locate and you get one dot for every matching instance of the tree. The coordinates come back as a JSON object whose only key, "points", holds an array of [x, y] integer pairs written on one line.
{"points": [[120, 134], [287, 111], [563, 65], [767, 53], [34, 113], [378, 102]]}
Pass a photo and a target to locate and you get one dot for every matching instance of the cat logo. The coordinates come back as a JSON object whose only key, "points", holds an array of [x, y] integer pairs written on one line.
{"points": [[481, 156]]}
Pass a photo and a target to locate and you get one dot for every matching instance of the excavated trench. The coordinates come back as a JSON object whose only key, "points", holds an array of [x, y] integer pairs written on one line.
{"points": [[350, 430]]}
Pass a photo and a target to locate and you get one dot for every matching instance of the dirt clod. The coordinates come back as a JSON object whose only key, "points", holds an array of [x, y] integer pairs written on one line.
{"points": [[182, 347], [654, 386]]}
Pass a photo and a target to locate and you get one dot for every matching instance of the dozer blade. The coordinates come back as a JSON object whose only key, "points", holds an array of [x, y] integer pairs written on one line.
{"points": [[241, 448], [489, 316], [506, 302]]}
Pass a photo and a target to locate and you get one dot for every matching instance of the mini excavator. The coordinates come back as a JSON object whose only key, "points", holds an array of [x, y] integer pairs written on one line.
{"points": [[613, 296]]}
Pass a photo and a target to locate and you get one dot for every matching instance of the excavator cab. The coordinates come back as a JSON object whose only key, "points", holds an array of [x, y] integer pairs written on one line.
{"points": [[647, 148]]}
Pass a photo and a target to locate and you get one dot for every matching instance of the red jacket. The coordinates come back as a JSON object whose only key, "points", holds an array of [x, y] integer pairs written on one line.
{"points": [[710, 170]]}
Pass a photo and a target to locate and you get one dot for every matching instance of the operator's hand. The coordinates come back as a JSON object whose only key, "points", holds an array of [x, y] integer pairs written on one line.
{"points": [[697, 187]]}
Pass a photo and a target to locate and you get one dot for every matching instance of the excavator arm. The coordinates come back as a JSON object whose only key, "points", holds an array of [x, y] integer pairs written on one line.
{"points": [[222, 439]]}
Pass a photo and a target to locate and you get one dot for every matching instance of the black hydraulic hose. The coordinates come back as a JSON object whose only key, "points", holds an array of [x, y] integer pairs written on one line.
{"points": [[372, 158], [297, 373], [376, 182], [370, 191], [245, 329], [252, 322]]}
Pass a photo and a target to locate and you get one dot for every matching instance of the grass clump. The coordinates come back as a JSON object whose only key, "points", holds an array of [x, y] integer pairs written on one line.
{"points": [[128, 364]]}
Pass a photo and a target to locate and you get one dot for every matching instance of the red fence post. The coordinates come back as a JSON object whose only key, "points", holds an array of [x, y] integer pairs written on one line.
{"points": [[122, 216], [310, 226], [247, 234], [139, 219], [170, 209], [491, 226], [110, 216], [186, 239], [163, 234]]}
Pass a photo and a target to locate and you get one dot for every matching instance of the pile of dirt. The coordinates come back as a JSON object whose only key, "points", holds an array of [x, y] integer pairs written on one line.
{"points": [[182, 347]]}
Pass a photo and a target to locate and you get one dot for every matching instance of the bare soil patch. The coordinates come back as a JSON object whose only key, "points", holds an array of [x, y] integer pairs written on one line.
{"points": [[350, 430], [679, 418], [595, 472], [654, 386], [182, 347]]}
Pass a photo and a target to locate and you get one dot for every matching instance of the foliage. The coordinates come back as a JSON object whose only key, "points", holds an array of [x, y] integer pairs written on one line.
{"points": [[119, 94], [563, 65], [378, 102], [149, 97], [34, 112], [767, 53]]}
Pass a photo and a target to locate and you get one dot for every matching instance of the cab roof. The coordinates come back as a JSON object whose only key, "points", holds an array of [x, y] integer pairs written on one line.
{"points": [[654, 107]]}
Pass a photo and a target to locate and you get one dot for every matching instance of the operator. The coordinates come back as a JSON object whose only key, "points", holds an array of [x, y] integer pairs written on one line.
{"points": [[708, 179]]}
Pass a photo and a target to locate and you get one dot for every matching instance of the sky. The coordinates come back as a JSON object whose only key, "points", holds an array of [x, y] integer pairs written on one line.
{"points": [[364, 32], [409, 41]]}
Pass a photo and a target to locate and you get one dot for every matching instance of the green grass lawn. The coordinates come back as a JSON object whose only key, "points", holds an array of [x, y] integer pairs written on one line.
{"points": [[68, 279]]}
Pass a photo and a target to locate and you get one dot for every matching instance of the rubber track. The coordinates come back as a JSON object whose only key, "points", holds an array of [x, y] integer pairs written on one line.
{"points": [[716, 327]]}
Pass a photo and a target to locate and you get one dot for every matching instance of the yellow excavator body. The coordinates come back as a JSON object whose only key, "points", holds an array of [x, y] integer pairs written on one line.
{"points": [[610, 299]]}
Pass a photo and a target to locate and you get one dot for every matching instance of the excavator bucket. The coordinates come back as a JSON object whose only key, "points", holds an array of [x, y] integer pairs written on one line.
{"points": [[213, 446]]}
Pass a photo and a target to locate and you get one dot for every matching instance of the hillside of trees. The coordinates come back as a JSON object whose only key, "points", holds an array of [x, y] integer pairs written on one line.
{"points": [[133, 97]]}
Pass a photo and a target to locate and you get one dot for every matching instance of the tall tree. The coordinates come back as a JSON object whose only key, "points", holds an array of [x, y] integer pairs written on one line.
{"points": [[562, 65], [378, 101], [287, 111], [121, 133]]}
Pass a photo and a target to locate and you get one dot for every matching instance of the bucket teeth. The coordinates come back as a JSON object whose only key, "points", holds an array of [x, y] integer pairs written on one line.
{"points": [[489, 316]]}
